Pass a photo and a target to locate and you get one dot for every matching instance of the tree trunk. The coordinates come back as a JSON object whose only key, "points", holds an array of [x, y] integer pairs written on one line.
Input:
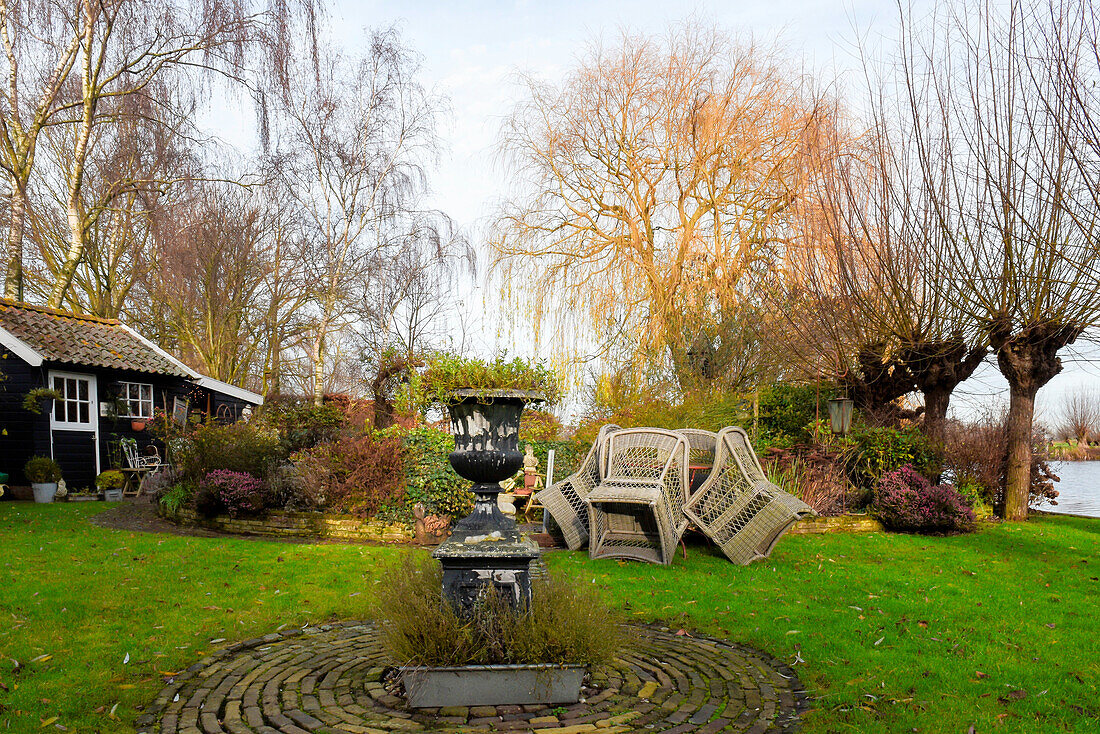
{"points": [[317, 360], [13, 281], [73, 256], [937, 368], [78, 226], [1021, 412], [936, 400], [1028, 359]]}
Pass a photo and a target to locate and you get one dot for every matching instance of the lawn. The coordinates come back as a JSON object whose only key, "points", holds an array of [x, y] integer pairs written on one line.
{"points": [[994, 630]]}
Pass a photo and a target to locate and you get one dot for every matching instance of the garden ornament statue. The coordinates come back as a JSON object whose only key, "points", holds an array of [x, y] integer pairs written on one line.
{"points": [[62, 490], [530, 469], [485, 549]]}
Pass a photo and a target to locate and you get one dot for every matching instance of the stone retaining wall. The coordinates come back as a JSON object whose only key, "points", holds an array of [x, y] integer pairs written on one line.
{"points": [[841, 524], [318, 525], [302, 525]]}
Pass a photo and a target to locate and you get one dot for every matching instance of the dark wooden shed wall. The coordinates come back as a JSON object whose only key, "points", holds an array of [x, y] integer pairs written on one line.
{"points": [[23, 434]]}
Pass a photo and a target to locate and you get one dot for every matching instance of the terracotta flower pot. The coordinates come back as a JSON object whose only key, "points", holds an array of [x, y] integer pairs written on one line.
{"points": [[137, 425]]}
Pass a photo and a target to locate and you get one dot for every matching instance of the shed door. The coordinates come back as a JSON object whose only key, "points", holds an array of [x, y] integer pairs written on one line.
{"points": [[74, 428]]}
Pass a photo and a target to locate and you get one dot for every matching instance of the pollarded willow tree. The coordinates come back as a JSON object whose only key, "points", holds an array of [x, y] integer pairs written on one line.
{"points": [[1010, 172], [658, 180], [885, 266]]}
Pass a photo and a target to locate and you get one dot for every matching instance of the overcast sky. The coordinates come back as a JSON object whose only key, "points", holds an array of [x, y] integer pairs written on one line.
{"points": [[472, 51]]}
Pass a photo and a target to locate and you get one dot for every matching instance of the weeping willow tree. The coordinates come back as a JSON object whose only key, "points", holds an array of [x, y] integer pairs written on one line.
{"points": [[656, 185]]}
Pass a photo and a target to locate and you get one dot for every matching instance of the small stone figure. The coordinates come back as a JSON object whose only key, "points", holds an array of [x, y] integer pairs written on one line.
{"points": [[530, 470], [62, 490]]}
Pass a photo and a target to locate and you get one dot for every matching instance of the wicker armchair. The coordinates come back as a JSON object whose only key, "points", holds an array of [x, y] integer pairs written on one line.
{"points": [[636, 512], [737, 507], [564, 500], [702, 446]]}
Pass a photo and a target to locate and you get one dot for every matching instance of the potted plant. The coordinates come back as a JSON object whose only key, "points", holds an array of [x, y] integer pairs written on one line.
{"points": [[43, 473], [137, 424], [32, 401], [508, 655], [110, 483]]}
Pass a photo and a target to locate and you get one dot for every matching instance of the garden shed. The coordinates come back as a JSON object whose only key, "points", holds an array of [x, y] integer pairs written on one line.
{"points": [[110, 380]]}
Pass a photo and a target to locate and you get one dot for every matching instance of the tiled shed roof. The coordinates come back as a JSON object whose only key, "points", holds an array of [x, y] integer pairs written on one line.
{"points": [[60, 336]]}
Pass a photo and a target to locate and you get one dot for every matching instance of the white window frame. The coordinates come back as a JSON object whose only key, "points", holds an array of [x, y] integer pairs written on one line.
{"points": [[128, 401], [93, 404], [91, 427]]}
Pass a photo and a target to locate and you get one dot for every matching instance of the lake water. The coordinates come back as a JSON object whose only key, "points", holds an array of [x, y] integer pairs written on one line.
{"points": [[1078, 490]]}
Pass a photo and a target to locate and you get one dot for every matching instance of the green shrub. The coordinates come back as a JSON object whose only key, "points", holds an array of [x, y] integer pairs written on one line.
{"points": [[876, 451], [241, 447], [706, 410], [41, 470], [429, 478], [110, 479], [787, 409], [207, 501], [176, 497], [301, 424], [567, 623]]}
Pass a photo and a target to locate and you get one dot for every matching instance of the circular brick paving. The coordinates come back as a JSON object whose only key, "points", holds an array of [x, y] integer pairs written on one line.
{"points": [[333, 679]]}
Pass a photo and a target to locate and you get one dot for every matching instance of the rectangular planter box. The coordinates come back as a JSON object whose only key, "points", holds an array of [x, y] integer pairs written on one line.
{"points": [[492, 685]]}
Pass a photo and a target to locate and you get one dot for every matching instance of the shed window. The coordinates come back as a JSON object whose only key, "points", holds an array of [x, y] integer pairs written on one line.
{"points": [[75, 405], [137, 399]]}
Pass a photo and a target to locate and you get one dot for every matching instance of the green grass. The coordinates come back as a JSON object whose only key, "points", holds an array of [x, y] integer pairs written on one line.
{"points": [[1017, 603]]}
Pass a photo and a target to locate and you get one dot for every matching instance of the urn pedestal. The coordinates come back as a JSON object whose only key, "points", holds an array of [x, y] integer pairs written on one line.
{"points": [[485, 549]]}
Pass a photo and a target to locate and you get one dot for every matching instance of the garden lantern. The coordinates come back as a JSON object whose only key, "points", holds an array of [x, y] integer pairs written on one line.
{"points": [[840, 415]]}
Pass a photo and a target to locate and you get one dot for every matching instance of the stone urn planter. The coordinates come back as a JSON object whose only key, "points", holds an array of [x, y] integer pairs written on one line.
{"points": [[492, 685], [485, 547]]}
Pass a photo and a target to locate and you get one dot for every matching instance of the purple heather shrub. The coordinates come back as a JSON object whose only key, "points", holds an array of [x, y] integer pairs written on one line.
{"points": [[905, 500], [239, 492]]}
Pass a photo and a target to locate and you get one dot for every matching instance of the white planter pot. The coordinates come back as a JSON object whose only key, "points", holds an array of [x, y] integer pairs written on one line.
{"points": [[44, 491], [492, 685]]}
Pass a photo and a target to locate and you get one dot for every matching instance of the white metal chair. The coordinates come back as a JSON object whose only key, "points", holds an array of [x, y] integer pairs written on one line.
{"points": [[137, 466]]}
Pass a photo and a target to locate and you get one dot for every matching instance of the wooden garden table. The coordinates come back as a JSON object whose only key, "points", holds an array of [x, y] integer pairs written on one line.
{"points": [[134, 475]]}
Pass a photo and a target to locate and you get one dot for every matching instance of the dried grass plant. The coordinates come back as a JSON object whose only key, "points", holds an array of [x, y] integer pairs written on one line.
{"points": [[566, 623]]}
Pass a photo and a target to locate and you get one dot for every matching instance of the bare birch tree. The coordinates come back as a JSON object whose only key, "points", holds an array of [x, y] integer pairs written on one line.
{"points": [[356, 137], [38, 56]]}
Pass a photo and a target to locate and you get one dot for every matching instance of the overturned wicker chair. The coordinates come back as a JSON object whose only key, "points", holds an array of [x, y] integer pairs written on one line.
{"points": [[636, 512], [737, 507], [702, 446], [564, 500]]}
